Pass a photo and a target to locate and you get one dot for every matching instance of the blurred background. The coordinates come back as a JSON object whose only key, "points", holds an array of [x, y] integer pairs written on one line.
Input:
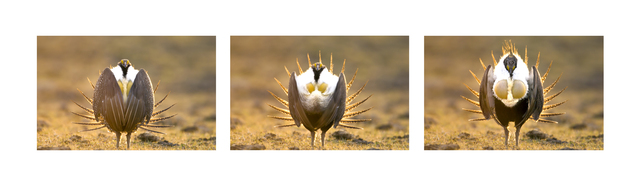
{"points": [[185, 65], [255, 61], [448, 60]]}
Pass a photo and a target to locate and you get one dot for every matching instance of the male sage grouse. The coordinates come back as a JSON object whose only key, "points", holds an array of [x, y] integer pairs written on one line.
{"points": [[510, 91], [318, 99], [123, 102]]}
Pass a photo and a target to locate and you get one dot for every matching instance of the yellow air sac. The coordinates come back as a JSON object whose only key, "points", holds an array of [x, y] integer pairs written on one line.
{"points": [[518, 90], [310, 87], [322, 87], [501, 89]]}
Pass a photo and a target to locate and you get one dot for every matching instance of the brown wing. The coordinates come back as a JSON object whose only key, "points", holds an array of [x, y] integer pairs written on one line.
{"points": [[336, 109], [139, 101], [295, 106], [536, 95], [487, 102], [107, 101]]}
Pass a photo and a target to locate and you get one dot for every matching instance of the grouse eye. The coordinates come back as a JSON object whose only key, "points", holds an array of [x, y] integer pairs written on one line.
{"points": [[518, 90], [310, 87], [323, 87], [501, 88]]}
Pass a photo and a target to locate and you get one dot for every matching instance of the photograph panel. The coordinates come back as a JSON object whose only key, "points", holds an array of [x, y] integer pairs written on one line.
{"points": [[126, 92], [514, 92], [301, 93]]}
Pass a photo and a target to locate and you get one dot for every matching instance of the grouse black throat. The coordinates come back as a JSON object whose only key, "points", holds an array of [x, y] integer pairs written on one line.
{"points": [[124, 65], [317, 69]]}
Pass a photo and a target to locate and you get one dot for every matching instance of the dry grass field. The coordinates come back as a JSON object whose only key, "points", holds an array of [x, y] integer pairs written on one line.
{"points": [[578, 59], [184, 65], [382, 61]]}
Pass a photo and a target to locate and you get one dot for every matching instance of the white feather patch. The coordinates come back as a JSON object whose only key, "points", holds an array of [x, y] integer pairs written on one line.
{"points": [[131, 73], [316, 101], [521, 72], [126, 80]]}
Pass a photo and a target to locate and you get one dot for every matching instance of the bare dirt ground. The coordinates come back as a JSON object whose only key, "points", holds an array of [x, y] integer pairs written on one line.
{"points": [[184, 65], [447, 64], [383, 61]]}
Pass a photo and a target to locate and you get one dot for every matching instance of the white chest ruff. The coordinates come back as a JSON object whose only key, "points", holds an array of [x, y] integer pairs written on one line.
{"points": [[316, 100], [124, 82], [511, 89]]}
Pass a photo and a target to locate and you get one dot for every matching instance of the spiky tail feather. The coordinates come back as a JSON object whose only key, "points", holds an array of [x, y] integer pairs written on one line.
{"points": [[349, 126], [285, 125]]}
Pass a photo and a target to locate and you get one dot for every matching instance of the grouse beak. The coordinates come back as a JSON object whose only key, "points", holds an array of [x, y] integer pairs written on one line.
{"points": [[510, 69]]}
